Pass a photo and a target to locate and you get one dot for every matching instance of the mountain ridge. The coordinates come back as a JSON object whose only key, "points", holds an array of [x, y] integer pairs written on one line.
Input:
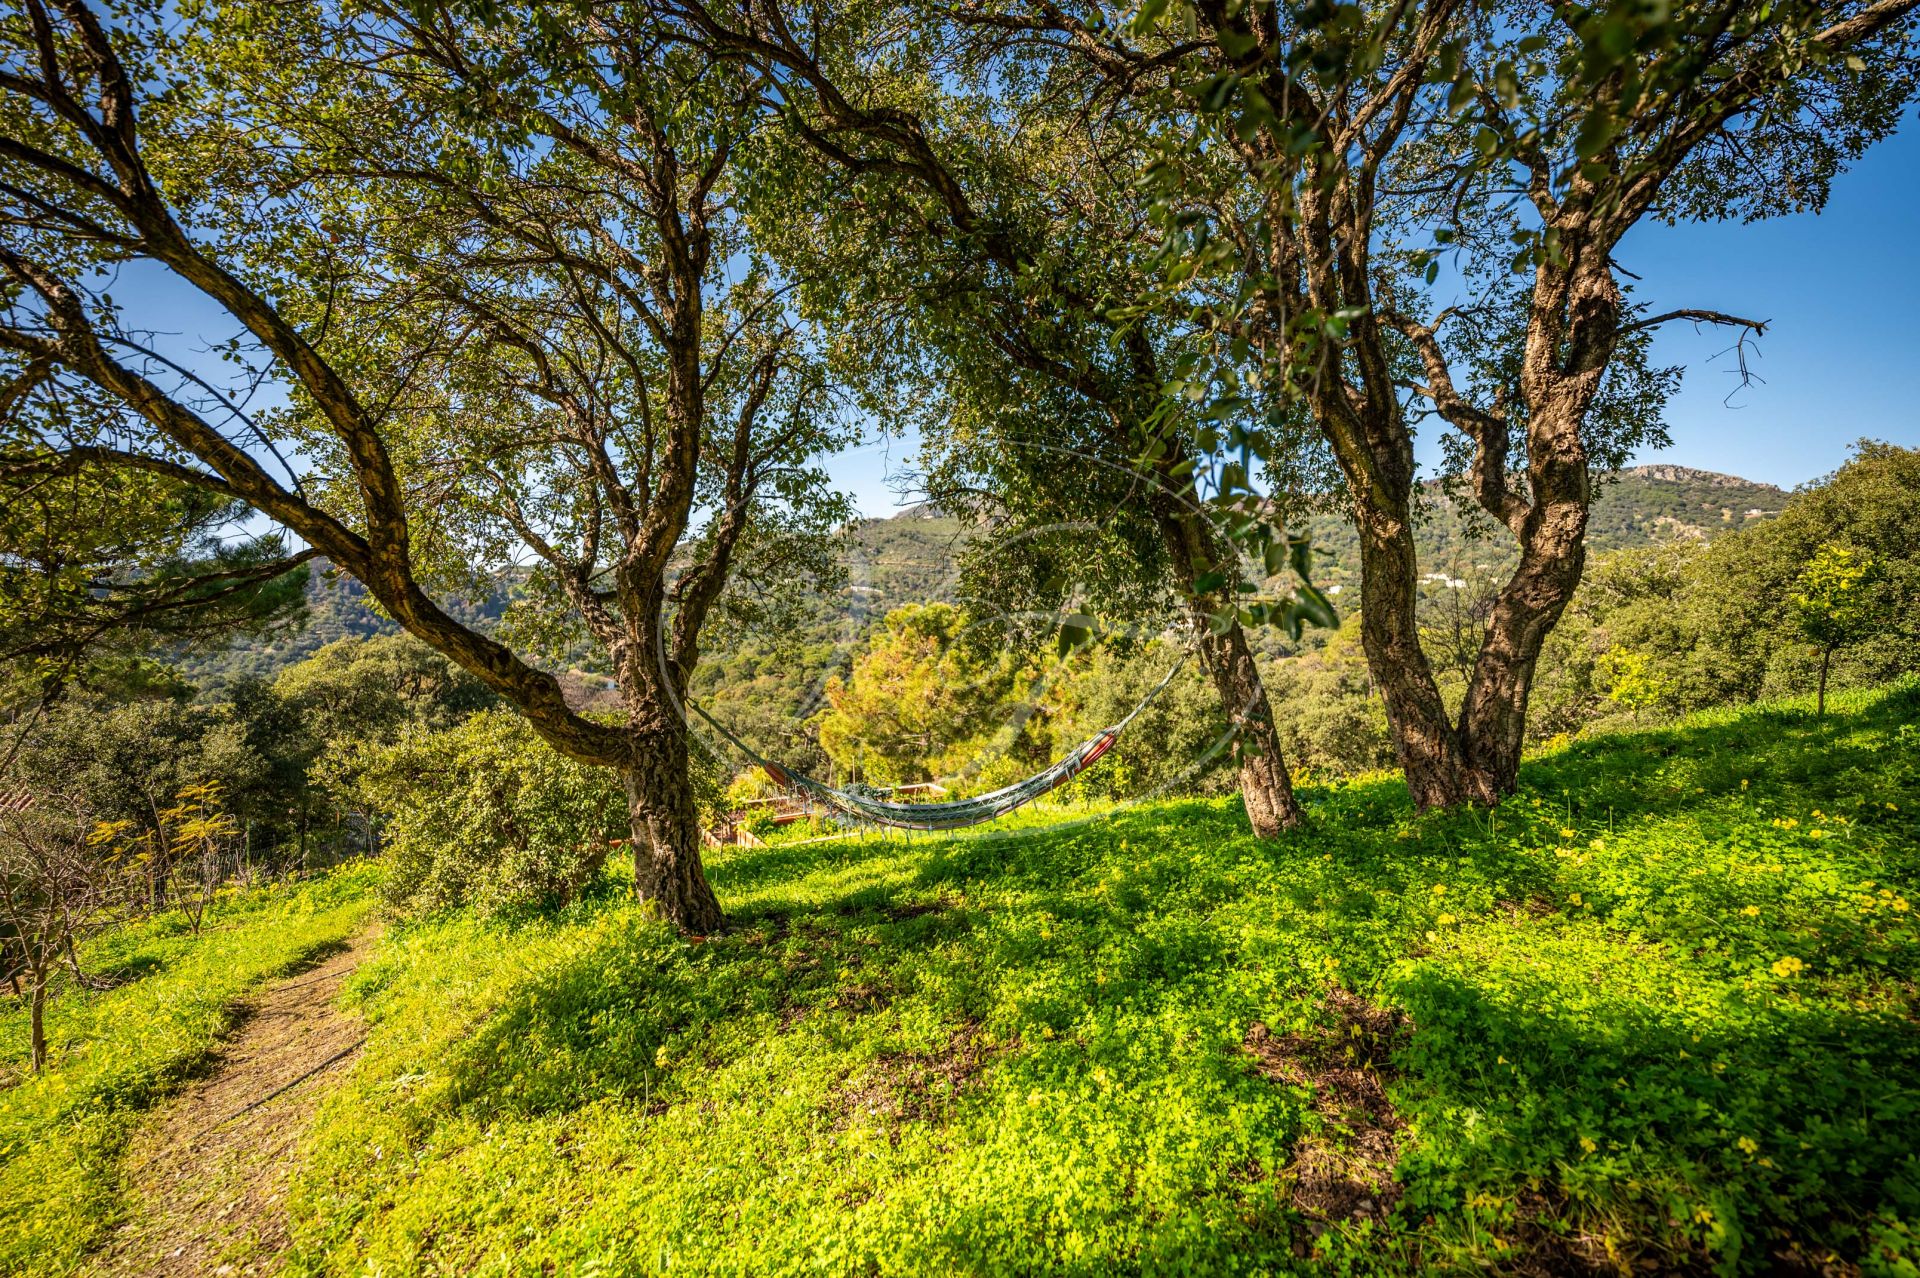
{"points": [[906, 557]]}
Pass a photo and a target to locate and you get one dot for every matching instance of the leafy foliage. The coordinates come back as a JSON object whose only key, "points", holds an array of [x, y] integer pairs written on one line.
{"points": [[484, 813], [919, 704], [1834, 601], [1038, 1052], [1716, 623], [99, 568]]}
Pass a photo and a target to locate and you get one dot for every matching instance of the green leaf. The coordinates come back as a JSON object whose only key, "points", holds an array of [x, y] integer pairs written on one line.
{"points": [[1273, 557], [1217, 90]]}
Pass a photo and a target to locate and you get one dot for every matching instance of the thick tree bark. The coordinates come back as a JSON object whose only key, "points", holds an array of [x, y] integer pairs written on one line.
{"points": [[1265, 786], [1493, 721], [668, 872], [1424, 739]]}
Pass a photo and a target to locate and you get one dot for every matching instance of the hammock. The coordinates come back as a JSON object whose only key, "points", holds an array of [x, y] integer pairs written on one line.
{"points": [[957, 813]]}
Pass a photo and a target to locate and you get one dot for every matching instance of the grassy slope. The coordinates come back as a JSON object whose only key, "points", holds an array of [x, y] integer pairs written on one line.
{"points": [[114, 1053], [1664, 1010]]}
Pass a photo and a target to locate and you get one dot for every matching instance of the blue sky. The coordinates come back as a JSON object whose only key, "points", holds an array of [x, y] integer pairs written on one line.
{"points": [[1841, 289]]}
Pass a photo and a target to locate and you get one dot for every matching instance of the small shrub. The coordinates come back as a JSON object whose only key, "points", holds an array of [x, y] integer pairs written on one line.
{"points": [[487, 814]]}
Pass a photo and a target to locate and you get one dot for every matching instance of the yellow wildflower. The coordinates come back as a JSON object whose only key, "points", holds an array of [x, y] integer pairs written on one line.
{"points": [[1446, 920], [1586, 1143], [1439, 889], [1789, 966], [1748, 1145], [1751, 911], [1566, 834], [1576, 898]]}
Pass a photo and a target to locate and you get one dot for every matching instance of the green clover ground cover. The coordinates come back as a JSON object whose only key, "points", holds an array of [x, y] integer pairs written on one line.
{"points": [[1662, 1003], [114, 1053]]}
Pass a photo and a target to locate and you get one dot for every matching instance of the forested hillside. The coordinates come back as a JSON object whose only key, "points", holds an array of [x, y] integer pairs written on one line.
{"points": [[1639, 506], [767, 683], [910, 558]]}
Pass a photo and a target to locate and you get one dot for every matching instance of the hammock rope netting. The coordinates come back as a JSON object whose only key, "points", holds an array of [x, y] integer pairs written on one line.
{"points": [[954, 814]]}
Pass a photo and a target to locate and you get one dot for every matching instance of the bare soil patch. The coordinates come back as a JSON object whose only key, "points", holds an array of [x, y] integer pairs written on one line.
{"points": [[1343, 1171], [208, 1178], [916, 1086]]}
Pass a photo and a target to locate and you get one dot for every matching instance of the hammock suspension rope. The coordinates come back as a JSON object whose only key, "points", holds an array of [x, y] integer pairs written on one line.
{"points": [[958, 813]]}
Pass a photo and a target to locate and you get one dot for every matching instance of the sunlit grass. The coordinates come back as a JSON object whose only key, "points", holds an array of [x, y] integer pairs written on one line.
{"points": [[1662, 1009], [115, 1053]]}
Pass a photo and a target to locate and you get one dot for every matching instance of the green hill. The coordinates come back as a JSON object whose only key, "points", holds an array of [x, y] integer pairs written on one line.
{"points": [[1657, 1016], [908, 558], [1635, 507], [1663, 1009]]}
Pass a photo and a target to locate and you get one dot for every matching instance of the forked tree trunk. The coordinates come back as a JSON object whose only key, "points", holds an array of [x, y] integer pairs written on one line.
{"points": [[1424, 739], [1265, 786], [1493, 721], [667, 870]]}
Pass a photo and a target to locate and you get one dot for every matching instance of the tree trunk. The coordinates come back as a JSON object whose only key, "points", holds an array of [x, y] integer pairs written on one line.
{"points": [[667, 869], [73, 959], [1265, 786], [1820, 699], [1424, 739], [37, 1021], [1494, 720], [1553, 554]]}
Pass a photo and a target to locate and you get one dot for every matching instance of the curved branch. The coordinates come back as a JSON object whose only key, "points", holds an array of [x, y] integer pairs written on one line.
{"points": [[1487, 430]]}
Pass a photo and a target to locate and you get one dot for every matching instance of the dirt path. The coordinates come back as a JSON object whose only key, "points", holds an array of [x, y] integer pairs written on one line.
{"points": [[208, 1178]]}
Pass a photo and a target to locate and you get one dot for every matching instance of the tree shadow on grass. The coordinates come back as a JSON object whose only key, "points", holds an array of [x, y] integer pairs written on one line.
{"points": [[1149, 941], [1758, 1138]]}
